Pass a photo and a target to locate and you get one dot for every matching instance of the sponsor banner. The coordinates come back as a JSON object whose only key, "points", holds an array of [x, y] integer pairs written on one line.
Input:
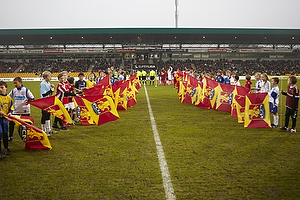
{"points": [[96, 50], [53, 51], [217, 50], [125, 50], [168, 50], [246, 50], [29, 79], [197, 50], [21, 51]]}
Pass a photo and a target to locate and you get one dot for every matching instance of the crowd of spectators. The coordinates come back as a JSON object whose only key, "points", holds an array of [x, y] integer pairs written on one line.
{"points": [[38, 66], [8, 67], [242, 67]]}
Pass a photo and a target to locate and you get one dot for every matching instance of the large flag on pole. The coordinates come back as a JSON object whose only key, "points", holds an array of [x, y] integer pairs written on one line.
{"points": [[101, 108], [53, 106], [34, 137], [257, 111]]}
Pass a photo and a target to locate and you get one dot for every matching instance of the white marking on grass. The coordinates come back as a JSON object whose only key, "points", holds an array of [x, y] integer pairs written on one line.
{"points": [[161, 156]]}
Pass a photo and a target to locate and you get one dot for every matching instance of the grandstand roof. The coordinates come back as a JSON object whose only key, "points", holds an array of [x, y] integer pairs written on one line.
{"points": [[148, 36]]}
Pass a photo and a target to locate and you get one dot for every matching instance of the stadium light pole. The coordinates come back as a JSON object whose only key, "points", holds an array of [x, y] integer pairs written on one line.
{"points": [[176, 13]]}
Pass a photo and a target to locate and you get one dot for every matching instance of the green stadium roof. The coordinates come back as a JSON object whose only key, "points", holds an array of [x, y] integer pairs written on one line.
{"points": [[149, 36], [149, 31]]}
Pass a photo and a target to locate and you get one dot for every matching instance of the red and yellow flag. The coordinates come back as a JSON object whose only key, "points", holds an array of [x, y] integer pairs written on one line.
{"points": [[85, 117], [225, 97], [122, 103], [209, 96], [239, 91], [135, 80], [240, 107], [187, 98], [257, 111], [198, 94], [101, 108], [34, 137], [131, 100], [53, 106], [122, 86]]}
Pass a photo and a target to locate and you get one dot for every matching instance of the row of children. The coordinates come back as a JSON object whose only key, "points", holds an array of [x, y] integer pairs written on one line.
{"points": [[292, 98], [21, 95], [65, 90], [263, 85], [114, 75]]}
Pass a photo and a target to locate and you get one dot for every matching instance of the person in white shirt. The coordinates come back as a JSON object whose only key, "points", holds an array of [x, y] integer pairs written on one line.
{"points": [[170, 77], [236, 81], [21, 95], [274, 101], [258, 83], [266, 87]]}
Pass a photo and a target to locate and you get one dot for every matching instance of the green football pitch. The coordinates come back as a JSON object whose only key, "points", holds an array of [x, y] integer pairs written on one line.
{"points": [[208, 155]]}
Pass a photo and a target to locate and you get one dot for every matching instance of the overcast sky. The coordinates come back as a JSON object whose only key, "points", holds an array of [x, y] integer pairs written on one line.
{"points": [[22, 14]]}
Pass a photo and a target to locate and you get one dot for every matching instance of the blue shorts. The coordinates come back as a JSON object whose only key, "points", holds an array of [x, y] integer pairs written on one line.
{"points": [[273, 108], [3, 126]]}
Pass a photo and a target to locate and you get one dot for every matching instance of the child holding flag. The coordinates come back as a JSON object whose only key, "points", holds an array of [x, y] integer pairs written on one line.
{"points": [[291, 104], [90, 82], [274, 101], [21, 95], [266, 85], [258, 83], [248, 82], [5, 109], [61, 92], [46, 90], [71, 105]]}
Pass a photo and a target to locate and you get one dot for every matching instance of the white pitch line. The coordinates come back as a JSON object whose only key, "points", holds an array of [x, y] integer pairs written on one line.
{"points": [[161, 156]]}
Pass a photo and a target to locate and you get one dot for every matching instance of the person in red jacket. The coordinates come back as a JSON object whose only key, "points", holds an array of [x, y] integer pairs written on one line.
{"points": [[291, 104], [163, 76], [248, 82]]}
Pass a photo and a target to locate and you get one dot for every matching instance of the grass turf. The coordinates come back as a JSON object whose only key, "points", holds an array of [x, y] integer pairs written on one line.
{"points": [[209, 155]]}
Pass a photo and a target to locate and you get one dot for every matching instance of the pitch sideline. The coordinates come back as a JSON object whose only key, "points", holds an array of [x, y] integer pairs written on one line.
{"points": [[161, 156]]}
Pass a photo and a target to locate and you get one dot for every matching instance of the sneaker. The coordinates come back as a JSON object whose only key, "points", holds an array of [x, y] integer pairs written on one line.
{"points": [[274, 126], [2, 155], [48, 134], [55, 126], [6, 151], [63, 128], [284, 128], [66, 125], [52, 132], [10, 138], [292, 130]]}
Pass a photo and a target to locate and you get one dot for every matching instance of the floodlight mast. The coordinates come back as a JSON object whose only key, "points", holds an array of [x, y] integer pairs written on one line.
{"points": [[176, 13]]}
